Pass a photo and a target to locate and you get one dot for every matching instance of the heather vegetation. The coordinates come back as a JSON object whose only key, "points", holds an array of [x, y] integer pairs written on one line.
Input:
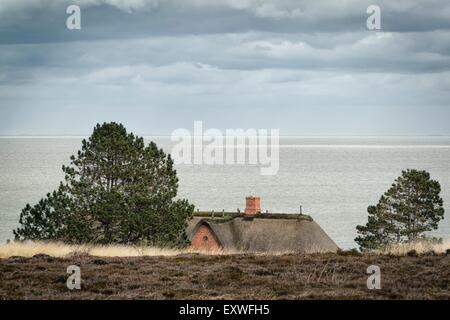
{"points": [[229, 276]]}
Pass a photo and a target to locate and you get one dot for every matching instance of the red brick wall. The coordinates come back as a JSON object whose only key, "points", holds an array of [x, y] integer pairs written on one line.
{"points": [[204, 239]]}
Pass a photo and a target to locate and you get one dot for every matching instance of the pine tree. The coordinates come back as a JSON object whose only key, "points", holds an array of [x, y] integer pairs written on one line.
{"points": [[409, 209], [116, 190], [45, 220]]}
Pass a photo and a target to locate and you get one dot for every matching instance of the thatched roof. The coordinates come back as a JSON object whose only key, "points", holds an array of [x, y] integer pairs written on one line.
{"points": [[267, 233]]}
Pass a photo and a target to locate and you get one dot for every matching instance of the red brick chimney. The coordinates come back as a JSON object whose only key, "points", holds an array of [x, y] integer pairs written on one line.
{"points": [[252, 205]]}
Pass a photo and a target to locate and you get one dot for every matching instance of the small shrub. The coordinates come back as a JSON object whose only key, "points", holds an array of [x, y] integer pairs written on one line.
{"points": [[412, 253], [353, 253]]}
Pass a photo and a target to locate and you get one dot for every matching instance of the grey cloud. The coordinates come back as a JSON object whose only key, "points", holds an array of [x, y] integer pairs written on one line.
{"points": [[44, 20], [162, 64], [358, 52]]}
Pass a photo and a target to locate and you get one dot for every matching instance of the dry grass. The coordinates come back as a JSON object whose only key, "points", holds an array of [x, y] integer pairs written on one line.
{"points": [[61, 250], [420, 247]]}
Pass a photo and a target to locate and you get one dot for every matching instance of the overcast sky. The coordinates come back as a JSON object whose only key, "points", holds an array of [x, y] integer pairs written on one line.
{"points": [[304, 67]]}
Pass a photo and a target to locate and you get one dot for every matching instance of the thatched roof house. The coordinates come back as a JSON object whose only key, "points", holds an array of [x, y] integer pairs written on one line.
{"points": [[259, 232]]}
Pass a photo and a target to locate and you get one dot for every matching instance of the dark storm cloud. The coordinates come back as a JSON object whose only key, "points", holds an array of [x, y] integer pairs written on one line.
{"points": [[315, 34], [34, 21], [355, 52]]}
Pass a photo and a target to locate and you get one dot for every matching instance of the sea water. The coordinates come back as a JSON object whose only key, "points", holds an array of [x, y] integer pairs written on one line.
{"points": [[332, 179]]}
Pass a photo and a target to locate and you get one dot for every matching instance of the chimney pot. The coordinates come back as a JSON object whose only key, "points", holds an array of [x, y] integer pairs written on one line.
{"points": [[252, 205]]}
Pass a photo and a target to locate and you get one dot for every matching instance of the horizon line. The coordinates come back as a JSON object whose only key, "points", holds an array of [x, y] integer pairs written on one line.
{"points": [[281, 136]]}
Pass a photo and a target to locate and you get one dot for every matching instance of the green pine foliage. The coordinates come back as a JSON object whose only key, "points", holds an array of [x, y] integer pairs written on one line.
{"points": [[116, 190], [409, 209]]}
